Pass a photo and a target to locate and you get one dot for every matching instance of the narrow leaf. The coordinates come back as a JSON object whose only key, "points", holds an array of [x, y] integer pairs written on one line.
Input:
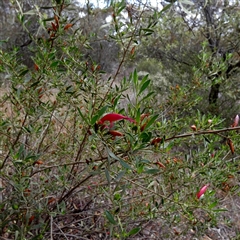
{"points": [[135, 77], [144, 79], [122, 6], [110, 217], [147, 96], [133, 231], [212, 205], [146, 136], [187, 2], [94, 119], [116, 101], [150, 122], [55, 64], [152, 171], [119, 176], [138, 116], [112, 155], [48, 19], [166, 7], [22, 73], [144, 86], [124, 164], [47, 7], [102, 111], [220, 210], [148, 30], [83, 118], [108, 176]]}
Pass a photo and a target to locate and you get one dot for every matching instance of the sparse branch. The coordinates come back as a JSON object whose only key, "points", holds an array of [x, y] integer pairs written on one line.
{"points": [[204, 132]]}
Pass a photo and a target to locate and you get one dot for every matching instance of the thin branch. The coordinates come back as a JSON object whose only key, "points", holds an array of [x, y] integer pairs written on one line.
{"points": [[16, 141], [204, 132]]}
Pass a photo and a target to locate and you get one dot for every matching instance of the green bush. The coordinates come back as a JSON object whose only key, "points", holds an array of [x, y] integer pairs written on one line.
{"points": [[82, 155]]}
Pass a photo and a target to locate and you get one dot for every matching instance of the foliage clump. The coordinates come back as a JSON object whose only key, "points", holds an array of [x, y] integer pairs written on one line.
{"points": [[95, 155]]}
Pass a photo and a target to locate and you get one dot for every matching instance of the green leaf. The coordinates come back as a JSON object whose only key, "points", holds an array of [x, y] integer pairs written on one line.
{"points": [[167, 7], [146, 136], [150, 122], [117, 196], [152, 171], [55, 64], [110, 217], [212, 205], [148, 30], [70, 90], [31, 12], [187, 2], [94, 119], [144, 79], [138, 116], [113, 37], [122, 6], [147, 96], [133, 231], [220, 210], [102, 111], [23, 72], [48, 19], [135, 78], [99, 114], [108, 176], [112, 155], [119, 176], [144, 86], [83, 118], [34, 84], [145, 161], [147, 34], [116, 101], [124, 164], [47, 7]]}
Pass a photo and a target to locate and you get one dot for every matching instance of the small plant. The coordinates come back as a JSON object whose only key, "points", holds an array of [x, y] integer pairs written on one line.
{"points": [[86, 155]]}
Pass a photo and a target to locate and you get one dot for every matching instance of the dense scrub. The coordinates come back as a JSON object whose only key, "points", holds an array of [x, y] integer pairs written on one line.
{"points": [[87, 154]]}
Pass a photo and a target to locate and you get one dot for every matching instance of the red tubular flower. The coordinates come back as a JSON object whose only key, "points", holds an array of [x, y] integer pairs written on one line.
{"points": [[160, 164], [156, 141], [143, 127], [236, 120], [144, 115], [113, 117], [115, 133], [194, 128], [202, 191]]}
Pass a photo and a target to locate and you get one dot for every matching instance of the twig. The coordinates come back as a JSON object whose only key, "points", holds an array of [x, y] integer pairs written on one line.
{"points": [[204, 132], [44, 133], [61, 231], [15, 142], [51, 227]]}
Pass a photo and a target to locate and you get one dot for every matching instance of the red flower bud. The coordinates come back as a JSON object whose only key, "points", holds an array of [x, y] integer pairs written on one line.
{"points": [[202, 191], [194, 128], [156, 141], [69, 25], [115, 133], [113, 117], [236, 120], [144, 115]]}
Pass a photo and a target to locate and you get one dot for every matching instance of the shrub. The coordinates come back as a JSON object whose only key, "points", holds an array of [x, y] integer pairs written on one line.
{"points": [[82, 155]]}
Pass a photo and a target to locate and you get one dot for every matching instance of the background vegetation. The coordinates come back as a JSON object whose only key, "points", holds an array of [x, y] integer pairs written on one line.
{"points": [[114, 120]]}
